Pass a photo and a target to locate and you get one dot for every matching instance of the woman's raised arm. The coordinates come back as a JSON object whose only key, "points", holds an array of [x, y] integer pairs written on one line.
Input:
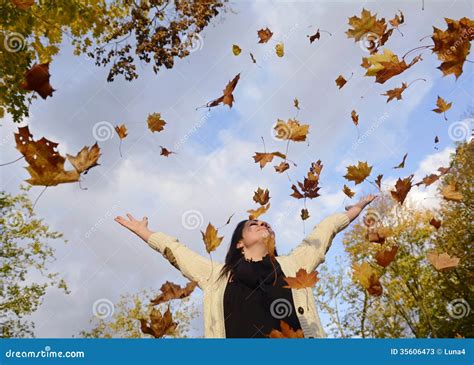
{"points": [[192, 265]]}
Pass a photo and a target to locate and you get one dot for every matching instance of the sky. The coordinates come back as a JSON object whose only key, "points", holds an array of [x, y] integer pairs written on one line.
{"points": [[213, 174]]}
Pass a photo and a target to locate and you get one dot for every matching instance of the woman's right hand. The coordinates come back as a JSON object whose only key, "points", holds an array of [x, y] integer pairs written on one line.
{"points": [[140, 228]]}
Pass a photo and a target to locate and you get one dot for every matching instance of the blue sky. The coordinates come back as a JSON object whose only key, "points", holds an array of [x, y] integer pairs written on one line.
{"points": [[213, 175]]}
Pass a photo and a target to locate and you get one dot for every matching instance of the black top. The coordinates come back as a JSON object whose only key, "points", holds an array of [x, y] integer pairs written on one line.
{"points": [[253, 304]]}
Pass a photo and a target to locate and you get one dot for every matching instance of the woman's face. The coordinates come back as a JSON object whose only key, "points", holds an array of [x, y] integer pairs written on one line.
{"points": [[254, 232]]}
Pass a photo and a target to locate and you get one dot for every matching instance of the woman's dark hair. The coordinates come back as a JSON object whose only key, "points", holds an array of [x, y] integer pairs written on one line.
{"points": [[234, 254]]}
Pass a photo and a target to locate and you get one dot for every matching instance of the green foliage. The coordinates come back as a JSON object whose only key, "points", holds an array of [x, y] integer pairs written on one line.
{"points": [[25, 252]]}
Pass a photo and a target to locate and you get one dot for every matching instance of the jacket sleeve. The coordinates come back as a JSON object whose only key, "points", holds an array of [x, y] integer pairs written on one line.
{"points": [[192, 265], [311, 252]]}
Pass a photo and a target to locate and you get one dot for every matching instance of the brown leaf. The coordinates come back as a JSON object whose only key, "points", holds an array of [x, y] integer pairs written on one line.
{"points": [[449, 192], [348, 191], [442, 106], [255, 213], [263, 157], [378, 181], [155, 123], [401, 165], [292, 130], [264, 35], [23, 4], [310, 185], [386, 256], [315, 36], [159, 325], [402, 187], [435, 223], [37, 79], [340, 81], [442, 262], [261, 196], [210, 238], [302, 280], [227, 98], [355, 117], [85, 159], [170, 291], [368, 278], [121, 131], [165, 152], [285, 332], [282, 167], [304, 214], [358, 173], [396, 93], [397, 20]]}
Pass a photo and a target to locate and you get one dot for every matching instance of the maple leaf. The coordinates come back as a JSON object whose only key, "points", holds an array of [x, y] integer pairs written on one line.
{"points": [[304, 214], [449, 192], [368, 278], [386, 256], [261, 196], [442, 106], [346, 190], [121, 131], [435, 223], [155, 123], [442, 262], [397, 20], [170, 291], [286, 332], [280, 49], [453, 45], [340, 81], [291, 130], [378, 181], [165, 152], [159, 325], [227, 98], [85, 159], [263, 157], [366, 23], [236, 50], [210, 238], [45, 164], [309, 187], [264, 35], [402, 187], [37, 79], [355, 117], [401, 165], [428, 180], [358, 173], [282, 167], [396, 93], [255, 213], [385, 66], [302, 280]]}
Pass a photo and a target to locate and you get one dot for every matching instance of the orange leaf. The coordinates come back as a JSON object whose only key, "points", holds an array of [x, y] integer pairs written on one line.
{"points": [[442, 262], [302, 280], [37, 79]]}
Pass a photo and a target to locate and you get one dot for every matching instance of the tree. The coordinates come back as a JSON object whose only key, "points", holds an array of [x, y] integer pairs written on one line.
{"points": [[125, 321], [25, 251]]}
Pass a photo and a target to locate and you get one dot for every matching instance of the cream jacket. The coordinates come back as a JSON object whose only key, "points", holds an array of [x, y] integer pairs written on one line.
{"points": [[308, 255]]}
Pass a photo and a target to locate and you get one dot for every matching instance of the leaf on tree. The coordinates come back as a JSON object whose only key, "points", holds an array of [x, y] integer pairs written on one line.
{"points": [[453, 45], [236, 50], [385, 66], [302, 280], [368, 278], [263, 157], [280, 49], [286, 331], [261, 196], [450, 193], [23, 4], [227, 98], [85, 159], [402, 187], [442, 262], [435, 223], [159, 325], [255, 213], [121, 131], [396, 93], [386, 256], [309, 187], [358, 173], [155, 123], [37, 79], [264, 35], [346, 190], [442, 106], [210, 238], [291, 130], [401, 165], [170, 291], [340, 81]]}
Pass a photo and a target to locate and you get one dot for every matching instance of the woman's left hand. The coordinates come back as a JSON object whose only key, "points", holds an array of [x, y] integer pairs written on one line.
{"points": [[354, 210]]}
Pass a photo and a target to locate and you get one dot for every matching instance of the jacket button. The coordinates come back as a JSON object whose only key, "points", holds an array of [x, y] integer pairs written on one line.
{"points": [[300, 310]]}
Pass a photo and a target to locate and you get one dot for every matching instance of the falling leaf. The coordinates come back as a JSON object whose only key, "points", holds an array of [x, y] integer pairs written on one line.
{"points": [[85, 159], [368, 278], [264, 35], [378, 181], [302, 280], [236, 50], [210, 238], [377, 235], [315, 36], [453, 45], [442, 106], [401, 165], [45, 164], [269, 243], [121, 131], [165, 152], [310, 185], [280, 49], [37, 79], [397, 20], [255, 213], [348, 191], [435, 223], [358, 173], [261, 196], [155, 123], [355, 117], [385, 66], [443, 261], [170, 291], [428, 180], [292, 130], [263, 157], [253, 58], [436, 140], [282, 167], [228, 97], [304, 214], [286, 331], [386, 256], [296, 103], [340, 81], [450, 193], [396, 93], [159, 325], [402, 187]]}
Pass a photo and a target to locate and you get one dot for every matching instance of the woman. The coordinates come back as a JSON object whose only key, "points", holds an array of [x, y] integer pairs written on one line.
{"points": [[245, 296]]}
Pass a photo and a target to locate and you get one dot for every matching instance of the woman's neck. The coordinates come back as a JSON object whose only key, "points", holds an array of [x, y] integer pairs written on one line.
{"points": [[255, 252]]}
